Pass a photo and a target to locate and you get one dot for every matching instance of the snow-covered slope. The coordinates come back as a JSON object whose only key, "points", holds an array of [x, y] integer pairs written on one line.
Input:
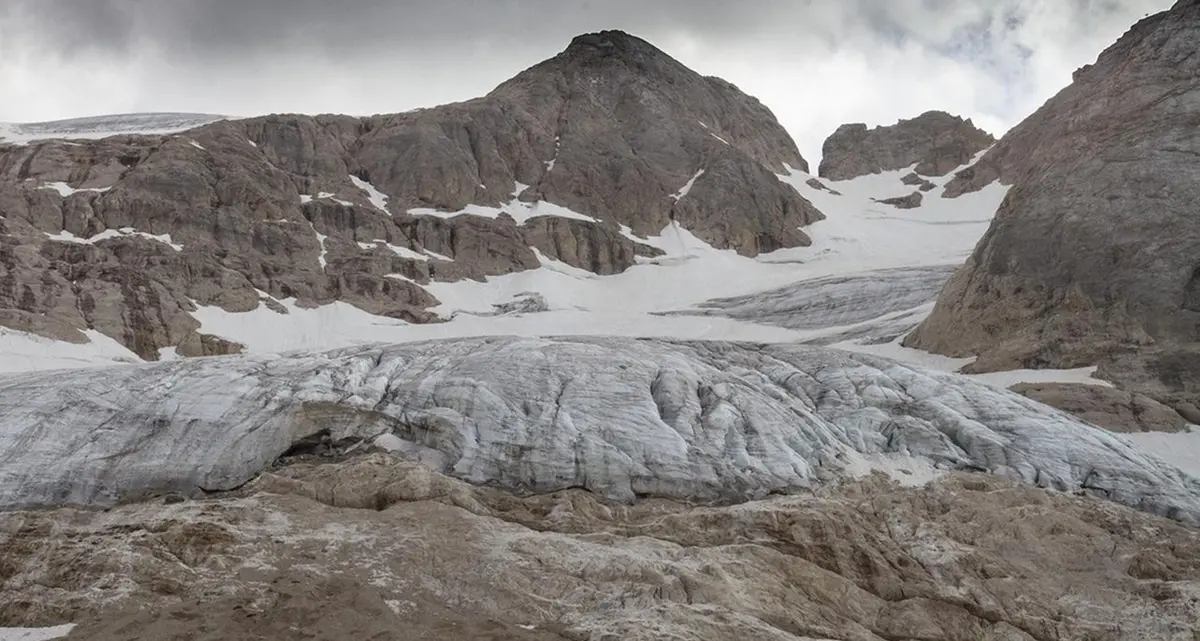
{"points": [[103, 126], [860, 245], [620, 417]]}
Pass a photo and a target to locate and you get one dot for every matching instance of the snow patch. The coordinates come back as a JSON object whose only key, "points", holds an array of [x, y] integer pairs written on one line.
{"points": [[25, 352], [378, 199], [520, 211], [1181, 449], [402, 252], [320, 239], [67, 237], [554, 161], [687, 188], [305, 198], [36, 634], [65, 190]]}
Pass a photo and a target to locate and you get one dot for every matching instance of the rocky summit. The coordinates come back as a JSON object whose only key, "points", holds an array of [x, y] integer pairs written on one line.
{"points": [[576, 159], [935, 142], [1094, 256]]}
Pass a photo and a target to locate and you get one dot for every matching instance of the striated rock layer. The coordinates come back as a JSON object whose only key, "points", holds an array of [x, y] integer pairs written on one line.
{"points": [[622, 418], [124, 234], [1094, 256]]}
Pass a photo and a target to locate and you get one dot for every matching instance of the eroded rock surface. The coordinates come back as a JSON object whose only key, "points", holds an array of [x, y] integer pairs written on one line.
{"points": [[935, 142], [1110, 408], [1092, 258], [375, 546]]}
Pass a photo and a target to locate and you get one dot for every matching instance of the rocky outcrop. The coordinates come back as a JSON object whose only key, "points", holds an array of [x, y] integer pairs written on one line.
{"points": [[917, 181], [936, 142], [911, 201], [127, 234], [1092, 258], [374, 547], [1110, 408]]}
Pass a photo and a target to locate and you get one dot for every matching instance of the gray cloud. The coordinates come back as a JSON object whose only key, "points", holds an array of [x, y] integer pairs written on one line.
{"points": [[816, 63]]}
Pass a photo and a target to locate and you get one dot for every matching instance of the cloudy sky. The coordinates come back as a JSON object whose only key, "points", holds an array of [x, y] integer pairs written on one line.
{"points": [[815, 63]]}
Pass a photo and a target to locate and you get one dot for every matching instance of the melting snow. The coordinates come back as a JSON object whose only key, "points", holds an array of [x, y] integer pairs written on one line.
{"points": [[1181, 449], [377, 198], [305, 198], [687, 188], [67, 237], [520, 211], [320, 239], [553, 161], [24, 352], [36, 634], [402, 252], [65, 190]]}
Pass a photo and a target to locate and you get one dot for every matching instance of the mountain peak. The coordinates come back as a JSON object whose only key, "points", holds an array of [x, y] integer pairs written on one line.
{"points": [[610, 43], [935, 141]]}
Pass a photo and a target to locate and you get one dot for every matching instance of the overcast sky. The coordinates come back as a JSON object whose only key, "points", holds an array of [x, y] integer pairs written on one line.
{"points": [[815, 63]]}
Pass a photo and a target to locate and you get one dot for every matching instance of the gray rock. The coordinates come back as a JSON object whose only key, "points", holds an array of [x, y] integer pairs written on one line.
{"points": [[911, 201], [935, 142], [817, 184], [1110, 408], [1092, 258], [917, 181]]}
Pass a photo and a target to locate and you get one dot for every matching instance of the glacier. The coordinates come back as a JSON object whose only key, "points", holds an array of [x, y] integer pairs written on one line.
{"points": [[622, 417]]}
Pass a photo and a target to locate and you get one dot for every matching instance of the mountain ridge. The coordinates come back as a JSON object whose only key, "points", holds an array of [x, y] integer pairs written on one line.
{"points": [[568, 160]]}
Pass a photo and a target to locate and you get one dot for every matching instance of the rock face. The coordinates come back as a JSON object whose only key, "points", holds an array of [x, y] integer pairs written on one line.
{"points": [[1094, 255], [917, 181], [126, 234], [936, 142], [1113, 409], [621, 418], [379, 548], [911, 201]]}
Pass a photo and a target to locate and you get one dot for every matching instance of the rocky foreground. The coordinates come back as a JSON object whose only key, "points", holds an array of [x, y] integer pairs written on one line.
{"points": [[376, 548]]}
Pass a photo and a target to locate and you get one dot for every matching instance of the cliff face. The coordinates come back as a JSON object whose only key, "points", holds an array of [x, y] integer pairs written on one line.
{"points": [[1094, 256], [125, 234], [936, 142]]}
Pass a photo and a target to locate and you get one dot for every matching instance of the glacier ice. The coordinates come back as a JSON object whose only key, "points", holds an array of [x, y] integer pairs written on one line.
{"points": [[701, 421]]}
